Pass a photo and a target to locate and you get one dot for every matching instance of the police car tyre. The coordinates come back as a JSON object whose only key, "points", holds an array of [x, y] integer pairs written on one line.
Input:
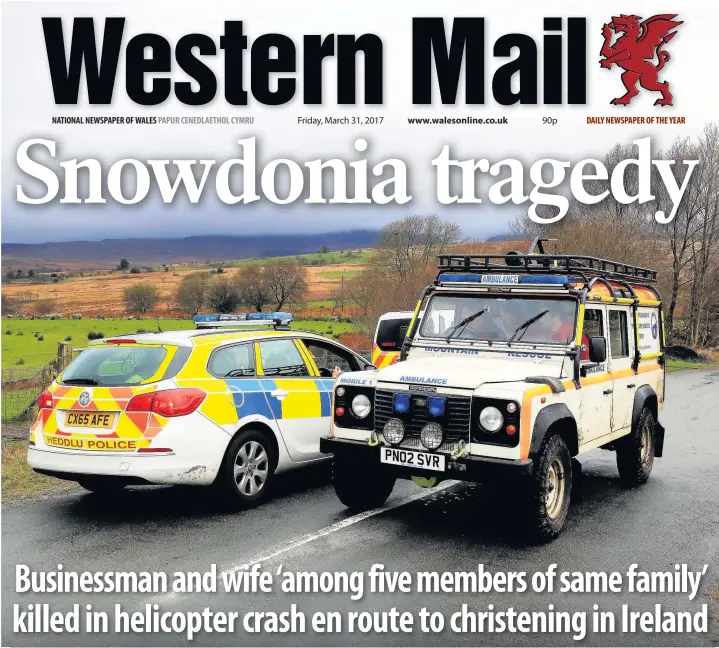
{"points": [[101, 485], [248, 468], [635, 452], [548, 497], [359, 486]]}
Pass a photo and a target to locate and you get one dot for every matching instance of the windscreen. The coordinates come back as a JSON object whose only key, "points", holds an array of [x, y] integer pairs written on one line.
{"points": [[115, 365], [517, 319], [391, 333]]}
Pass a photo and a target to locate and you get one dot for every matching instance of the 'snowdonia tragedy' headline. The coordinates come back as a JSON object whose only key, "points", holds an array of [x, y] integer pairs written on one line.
{"points": [[240, 180]]}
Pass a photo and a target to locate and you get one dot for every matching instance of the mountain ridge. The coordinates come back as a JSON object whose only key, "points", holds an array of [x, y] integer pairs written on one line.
{"points": [[107, 253]]}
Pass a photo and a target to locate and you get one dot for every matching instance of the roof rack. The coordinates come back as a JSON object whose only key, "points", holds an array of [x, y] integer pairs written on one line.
{"points": [[222, 320], [513, 262]]}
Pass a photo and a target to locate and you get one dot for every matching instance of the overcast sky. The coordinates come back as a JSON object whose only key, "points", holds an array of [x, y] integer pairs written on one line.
{"points": [[28, 108]]}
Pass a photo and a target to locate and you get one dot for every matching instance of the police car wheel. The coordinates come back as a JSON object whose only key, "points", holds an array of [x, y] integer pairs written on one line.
{"points": [[248, 467], [550, 491], [361, 487], [635, 452], [101, 485]]}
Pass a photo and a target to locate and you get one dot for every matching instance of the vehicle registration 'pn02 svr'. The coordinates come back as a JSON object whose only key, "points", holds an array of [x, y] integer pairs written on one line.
{"points": [[412, 459]]}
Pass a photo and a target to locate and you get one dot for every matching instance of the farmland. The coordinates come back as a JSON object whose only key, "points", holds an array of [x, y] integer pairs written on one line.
{"points": [[23, 345], [96, 294]]}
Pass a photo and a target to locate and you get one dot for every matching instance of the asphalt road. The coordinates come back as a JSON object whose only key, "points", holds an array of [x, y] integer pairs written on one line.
{"points": [[673, 519]]}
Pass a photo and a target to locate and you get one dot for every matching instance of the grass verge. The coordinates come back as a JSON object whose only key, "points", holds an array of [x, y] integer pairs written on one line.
{"points": [[18, 479], [680, 365]]}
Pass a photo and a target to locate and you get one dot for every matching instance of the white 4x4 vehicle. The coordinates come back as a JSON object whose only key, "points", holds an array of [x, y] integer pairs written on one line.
{"points": [[518, 365]]}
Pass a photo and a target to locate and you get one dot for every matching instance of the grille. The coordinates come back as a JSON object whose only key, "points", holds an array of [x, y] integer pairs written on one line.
{"points": [[455, 422]]}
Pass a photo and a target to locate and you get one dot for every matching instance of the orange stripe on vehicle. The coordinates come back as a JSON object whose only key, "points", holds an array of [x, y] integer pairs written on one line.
{"points": [[525, 432]]}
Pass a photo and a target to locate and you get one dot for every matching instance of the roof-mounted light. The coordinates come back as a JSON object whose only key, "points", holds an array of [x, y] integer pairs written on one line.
{"points": [[222, 320], [505, 279]]}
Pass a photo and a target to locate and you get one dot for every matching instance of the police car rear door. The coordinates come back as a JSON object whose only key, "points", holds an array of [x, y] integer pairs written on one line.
{"points": [[300, 409]]}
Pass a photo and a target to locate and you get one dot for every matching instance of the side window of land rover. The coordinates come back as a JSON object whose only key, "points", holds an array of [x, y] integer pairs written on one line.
{"points": [[618, 336]]}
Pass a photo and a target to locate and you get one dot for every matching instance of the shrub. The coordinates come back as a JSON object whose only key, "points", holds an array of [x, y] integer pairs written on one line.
{"points": [[95, 335], [68, 338], [21, 361], [40, 338], [8, 331], [20, 333], [141, 298], [140, 330]]}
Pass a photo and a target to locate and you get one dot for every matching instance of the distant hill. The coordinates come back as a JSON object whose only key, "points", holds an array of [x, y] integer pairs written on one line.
{"points": [[107, 253]]}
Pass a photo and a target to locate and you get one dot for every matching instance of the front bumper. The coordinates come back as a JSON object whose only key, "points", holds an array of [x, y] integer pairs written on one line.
{"points": [[468, 468]]}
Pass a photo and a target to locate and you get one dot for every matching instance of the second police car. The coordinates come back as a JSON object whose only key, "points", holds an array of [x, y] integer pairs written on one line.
{"points": [[228, 404]]}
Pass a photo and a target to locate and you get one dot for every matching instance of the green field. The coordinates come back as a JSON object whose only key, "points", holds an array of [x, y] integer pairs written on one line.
{"points": [[22, 348], [349, 257], [338, 274]]}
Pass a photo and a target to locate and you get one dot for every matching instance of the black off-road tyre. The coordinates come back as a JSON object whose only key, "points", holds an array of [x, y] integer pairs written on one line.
{"points": [[102, 485], [248, 469], [361, 487], [548, 494], [635, 452]]}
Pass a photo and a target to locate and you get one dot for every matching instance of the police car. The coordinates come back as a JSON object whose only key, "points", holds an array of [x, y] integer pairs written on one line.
{"points": [[231, 403], [518, 365]]}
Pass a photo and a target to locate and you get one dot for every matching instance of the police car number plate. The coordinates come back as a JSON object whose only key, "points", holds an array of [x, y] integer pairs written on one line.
{"points": [[412, 459], [104, 420]]}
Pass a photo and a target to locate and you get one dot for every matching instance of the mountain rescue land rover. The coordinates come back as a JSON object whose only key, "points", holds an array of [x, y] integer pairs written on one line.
{"points": [[229, 404], [520, 363]]}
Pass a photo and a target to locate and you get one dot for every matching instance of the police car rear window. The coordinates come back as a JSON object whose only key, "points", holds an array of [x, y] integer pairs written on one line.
{"points": [[391, 333], [115, 365]]}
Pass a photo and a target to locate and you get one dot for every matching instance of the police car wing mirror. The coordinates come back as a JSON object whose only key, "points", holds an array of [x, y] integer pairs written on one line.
{"points": [[370, 367], [597, 349]]}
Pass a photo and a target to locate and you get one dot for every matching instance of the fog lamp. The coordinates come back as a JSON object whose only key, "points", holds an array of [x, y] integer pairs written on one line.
{"points": [[393, 431], [431, 436]]}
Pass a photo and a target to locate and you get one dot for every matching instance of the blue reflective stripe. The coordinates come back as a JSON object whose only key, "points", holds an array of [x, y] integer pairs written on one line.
{"points": [[274, 402], [249, 398], [253, 397], [325, 385]]}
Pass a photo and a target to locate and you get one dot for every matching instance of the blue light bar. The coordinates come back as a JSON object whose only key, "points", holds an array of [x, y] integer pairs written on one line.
{"points": [[505, 279], [216, 320]]}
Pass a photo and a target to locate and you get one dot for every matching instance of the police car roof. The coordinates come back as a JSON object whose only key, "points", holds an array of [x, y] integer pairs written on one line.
{"points": [[200, 337]]}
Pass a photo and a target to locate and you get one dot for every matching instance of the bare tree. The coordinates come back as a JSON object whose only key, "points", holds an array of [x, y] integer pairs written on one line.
{"points": [[10, 306], [191, 294], [251, 287], [141, 298], [285, 281], [222, 296], [413, 241]]}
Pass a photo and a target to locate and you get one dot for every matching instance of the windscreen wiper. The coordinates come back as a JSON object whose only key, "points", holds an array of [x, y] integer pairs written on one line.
{"points": [[238, 373], [525, 325], [463, 323], [90, 382]]}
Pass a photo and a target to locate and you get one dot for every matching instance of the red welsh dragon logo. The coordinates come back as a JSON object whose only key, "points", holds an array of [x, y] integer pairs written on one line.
{"points": [[634, 51]]}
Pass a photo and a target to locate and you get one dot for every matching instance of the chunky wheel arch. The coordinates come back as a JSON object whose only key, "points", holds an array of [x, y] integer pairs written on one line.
{"points": [[645, 396], [554, 419]]}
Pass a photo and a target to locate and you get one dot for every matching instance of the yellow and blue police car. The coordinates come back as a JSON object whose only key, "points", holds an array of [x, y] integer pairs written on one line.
{"points": [[231, 403]]}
